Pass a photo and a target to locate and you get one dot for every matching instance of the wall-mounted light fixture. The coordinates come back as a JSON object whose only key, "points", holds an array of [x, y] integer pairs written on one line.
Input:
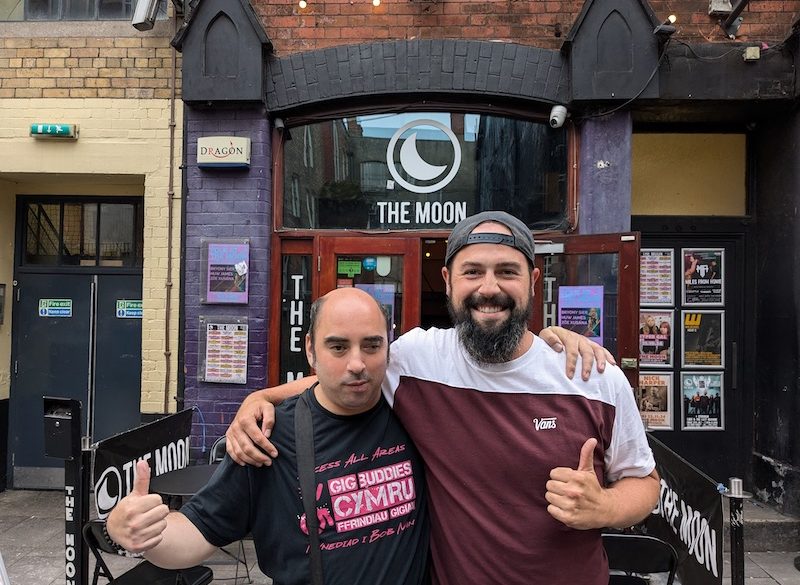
{"points": [[376, 3], [302, 4], [666, 28], [731, 27]]}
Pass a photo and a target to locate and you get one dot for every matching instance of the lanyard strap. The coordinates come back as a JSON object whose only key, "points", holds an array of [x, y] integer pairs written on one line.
{"points": [[304, 440]]}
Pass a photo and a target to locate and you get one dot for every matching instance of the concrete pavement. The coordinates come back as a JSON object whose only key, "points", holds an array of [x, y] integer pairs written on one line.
{"points": [[32, 537]]}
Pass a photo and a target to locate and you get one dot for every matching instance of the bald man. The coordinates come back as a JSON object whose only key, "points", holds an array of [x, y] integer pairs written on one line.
{"points": [[370, 490]]}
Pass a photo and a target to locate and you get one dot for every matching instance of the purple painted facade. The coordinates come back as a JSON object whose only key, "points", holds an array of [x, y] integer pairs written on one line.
{"points": [[226, 203], [604, 181]]}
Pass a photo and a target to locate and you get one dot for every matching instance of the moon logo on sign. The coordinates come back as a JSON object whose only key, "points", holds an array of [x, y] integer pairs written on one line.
{"points": [[415, 166], [108, 491]]}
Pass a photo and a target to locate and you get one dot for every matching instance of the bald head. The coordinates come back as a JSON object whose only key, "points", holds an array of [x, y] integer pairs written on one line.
{"points": [[346, 296], [348, 346]]}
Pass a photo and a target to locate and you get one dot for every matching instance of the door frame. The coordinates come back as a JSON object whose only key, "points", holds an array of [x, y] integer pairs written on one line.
{"points": [[626, 246]]}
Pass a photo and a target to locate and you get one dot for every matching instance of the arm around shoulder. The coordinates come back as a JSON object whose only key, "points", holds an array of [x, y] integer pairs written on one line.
{"points": [[248, 435]]}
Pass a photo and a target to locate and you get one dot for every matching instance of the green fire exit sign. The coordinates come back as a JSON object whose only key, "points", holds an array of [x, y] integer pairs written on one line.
{"points": [[41, 130]]}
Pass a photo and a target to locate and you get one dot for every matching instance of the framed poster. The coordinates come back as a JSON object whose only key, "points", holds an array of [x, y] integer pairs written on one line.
{"points": [[655, 339], [703, 401], [654, 398], [703, 282], [580, 309], [223, 347], [225, 278], [703, 339], [655, 277]]}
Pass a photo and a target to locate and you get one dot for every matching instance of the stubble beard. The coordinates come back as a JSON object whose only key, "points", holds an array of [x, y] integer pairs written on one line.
{"points": [[490, 344]]}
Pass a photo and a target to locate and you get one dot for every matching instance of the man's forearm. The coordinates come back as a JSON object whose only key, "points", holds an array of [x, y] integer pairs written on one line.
{"points": [[278, 394], [633, 499], [182, 546]]}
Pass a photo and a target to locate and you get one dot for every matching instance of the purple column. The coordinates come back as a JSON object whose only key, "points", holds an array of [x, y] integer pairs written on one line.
{"points": [[226, 203]]}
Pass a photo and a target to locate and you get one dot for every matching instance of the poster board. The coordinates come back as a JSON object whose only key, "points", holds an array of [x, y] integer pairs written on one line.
{"points": [[654, 399], [223, 350], [226, 271]]}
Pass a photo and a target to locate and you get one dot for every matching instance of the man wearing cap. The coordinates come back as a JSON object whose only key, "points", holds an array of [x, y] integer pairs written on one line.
{"points": [[524, 464]]}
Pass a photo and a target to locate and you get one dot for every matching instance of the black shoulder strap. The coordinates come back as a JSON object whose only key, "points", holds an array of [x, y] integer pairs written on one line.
{"points": [[304, 440]]}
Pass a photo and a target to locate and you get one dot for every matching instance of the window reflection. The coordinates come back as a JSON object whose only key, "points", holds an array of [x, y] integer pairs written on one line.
{"points": [[423, 170]]}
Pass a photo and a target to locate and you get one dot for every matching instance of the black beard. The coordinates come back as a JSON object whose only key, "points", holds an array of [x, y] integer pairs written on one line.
{"points": [[490, 344]]}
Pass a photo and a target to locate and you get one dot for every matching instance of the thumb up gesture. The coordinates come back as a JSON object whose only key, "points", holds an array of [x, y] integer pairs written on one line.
{"points": [[138, 521], [575, 496]]}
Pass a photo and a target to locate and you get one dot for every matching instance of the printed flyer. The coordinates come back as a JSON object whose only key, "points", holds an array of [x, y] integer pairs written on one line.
{"points": [[655, 339], [654, 397], [702, 276], [703, 406], [580, 310], [703, 339], [655, 277]]}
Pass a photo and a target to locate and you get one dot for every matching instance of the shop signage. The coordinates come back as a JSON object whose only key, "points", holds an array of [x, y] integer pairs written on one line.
{"points": [[223, 152], [688, 516], [411, 172], [40, 130], [164, 444]]}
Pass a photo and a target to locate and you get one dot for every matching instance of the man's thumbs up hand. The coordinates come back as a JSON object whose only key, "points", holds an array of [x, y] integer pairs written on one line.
{"points": [[141, 480], [138, 521], [575, 496]]}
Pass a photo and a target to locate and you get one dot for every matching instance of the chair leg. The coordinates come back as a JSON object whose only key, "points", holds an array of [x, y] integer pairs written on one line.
{"points": [[242, 558]]}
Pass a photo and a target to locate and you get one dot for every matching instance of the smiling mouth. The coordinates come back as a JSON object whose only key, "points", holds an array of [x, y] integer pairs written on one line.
{"points": [[489, 309]]}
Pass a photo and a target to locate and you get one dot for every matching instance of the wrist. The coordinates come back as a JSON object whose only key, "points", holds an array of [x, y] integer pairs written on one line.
{"points": [[117, 548]]}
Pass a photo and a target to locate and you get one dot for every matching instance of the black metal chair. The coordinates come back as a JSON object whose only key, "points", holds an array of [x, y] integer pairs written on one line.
{"points": [[144, 572], [633, 555], [216, 455]]}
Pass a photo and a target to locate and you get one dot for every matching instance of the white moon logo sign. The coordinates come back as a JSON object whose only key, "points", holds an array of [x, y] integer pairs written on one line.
{"points": [[413, 164]]}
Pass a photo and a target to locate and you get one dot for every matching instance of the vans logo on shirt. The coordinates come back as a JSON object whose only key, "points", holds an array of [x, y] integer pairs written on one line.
{"points": [[543, 424]]}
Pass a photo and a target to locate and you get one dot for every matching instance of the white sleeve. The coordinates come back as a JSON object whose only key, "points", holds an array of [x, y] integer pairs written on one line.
{"points": [[629, 454]]}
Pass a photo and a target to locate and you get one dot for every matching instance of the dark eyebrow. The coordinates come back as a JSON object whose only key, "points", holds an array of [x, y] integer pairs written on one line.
{"points": [[337, 339]]}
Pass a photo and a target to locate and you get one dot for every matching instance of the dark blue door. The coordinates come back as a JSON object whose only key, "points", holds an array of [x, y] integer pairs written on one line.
{"points": [[68, 340]]}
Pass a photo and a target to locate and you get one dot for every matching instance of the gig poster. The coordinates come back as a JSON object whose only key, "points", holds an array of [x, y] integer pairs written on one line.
{"points": [[655, 339], [655, 277], [226, 353], [703, 339], [654, 398], [703, 282], [227, 272], [580, 310], [703, 404]]}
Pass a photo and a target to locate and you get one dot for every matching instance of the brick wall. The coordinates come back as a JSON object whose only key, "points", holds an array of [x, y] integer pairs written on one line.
{"points": [[36, 63], [227, 203], [542, 23]]}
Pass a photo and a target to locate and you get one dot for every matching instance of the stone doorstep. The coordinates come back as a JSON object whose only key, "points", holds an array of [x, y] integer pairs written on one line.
{"points": [[765, 529]]}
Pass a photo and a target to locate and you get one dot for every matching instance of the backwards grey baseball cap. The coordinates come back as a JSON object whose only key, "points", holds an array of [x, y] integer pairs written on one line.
{"points": [[462, 235]]}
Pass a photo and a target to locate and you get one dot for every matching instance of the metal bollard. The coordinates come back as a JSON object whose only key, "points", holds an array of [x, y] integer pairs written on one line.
{"points": [[736, 496]]}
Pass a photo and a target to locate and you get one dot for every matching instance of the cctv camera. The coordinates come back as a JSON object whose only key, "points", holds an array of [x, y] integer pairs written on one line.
{"points": [[144, 17], [279, 125], [557, 116]]}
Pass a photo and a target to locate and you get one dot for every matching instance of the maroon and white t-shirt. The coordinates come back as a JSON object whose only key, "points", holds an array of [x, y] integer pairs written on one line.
{"points": [[489, 436]]}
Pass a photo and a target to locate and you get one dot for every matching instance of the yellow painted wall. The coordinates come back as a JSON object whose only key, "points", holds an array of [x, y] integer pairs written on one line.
{"points": [[688, 174], [123, 149]]}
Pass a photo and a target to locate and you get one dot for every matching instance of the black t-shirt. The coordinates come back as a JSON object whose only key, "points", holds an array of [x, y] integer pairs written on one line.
{"points": [[371, 502]]}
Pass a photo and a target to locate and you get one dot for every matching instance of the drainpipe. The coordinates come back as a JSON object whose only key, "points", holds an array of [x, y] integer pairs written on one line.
{"points": [[170, 198]]}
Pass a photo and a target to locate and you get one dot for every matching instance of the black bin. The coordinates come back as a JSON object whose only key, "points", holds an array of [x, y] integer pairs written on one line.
{"points": [[62, 427]]}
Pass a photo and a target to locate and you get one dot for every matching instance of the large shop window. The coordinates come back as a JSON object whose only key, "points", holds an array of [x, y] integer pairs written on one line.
{"points": [[423, 170]]}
